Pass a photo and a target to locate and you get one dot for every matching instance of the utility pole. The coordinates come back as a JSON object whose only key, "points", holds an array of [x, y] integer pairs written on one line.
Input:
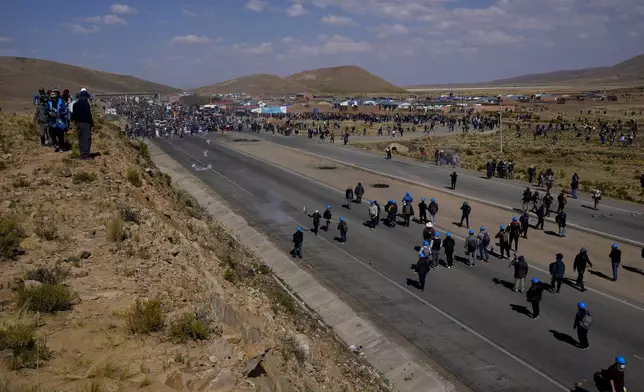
{"points": [[501, 130]]}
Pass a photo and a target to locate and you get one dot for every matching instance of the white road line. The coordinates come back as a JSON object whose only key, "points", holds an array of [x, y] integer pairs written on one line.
{"points": [[405, 289], [621, 301], [460, 195]]}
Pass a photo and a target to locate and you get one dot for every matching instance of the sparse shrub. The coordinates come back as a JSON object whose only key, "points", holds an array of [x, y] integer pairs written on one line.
{"points": [[74, 153], [21, 182], [134, 177], [188, 327], [283, 300], [143, 150], [50, 275], [3, 165], [48, 298], [129, 214], [10, 236], [145, 316], [83, 177], [115, 229], [46, 231], [231, 276], [18, 334], [291, 348]]}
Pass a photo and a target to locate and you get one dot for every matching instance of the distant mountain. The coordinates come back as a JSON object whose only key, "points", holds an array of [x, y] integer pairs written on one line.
{"points": [[255, 85], [626, 73], [346, 79], [20, 79]]}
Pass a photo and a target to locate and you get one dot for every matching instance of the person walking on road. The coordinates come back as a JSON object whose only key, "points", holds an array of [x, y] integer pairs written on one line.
{"points": [[615, 259], [436, 250], [581, 262], [561, 221], [342, 226], [406, 213], [504, 241], [612, 379], [298, 239], [541, 215], [524, 220], [348, 194], [449, 244], [526, 199], [359, 191], [433, 210], [316, 221], [483, 241], [557, 273], [515, 233], [520, 273], [422, 268], [453, 178], [373, 214], [534, 295], [327, 215], [466, 210], [422, 211], [470, 248], [582, 323]]}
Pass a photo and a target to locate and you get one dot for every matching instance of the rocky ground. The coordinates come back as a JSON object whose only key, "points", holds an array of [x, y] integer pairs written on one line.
{"points": [[112, 280]]}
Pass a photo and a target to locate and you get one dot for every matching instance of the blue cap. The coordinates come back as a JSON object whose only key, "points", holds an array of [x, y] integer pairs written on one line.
{"points": [[482, 228], [433, 199], [406, 193], [391, 201], [422, 199], [328, 207], [514, 219], [299, 228], [581, 305], [425, 243], [614, 246], [371, 201], [619, 359], [437, 235], [535, 280], [341, 219], [448, 234], [471, 231], [502, 227]]}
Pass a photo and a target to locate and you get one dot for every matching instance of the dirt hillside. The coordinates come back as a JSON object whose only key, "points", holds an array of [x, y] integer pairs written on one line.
{"points": [[20, 79], [112, 280], [259, 85], [345, 79]]}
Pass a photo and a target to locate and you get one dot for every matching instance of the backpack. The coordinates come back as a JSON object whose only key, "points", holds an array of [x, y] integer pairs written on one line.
{"points": [[466, 210], [506, 237], [486, 238], [471, 243], [586, 321]]}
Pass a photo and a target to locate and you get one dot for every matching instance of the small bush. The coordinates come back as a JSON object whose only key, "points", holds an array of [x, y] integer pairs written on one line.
{"points": [[46, 231], [21, 182], [134, 177], [143, 150], [3, 165], [83, 177], [129, 214], [10, 236], [188, 327], [27, 349], [50, 275], [145, 316], [291, 348], [48, 298], [115, 230]]}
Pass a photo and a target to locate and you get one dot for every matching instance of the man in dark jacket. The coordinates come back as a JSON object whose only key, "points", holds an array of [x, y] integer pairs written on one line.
{"points": [[504, 241], [449, 244], [422, 268], [466, 210], [316, 221], [359, 191], [534, 295], [433, 210], [582, 325], [557, 271], [453, 178], [520, 272], [406, 213], [348, 194], [581, 262], [561, 221], [515, 232], [298, 239], [82, 116], [327, 215], [343, 228], [422, 211], [41, 117], [541, 213], [615, 259], [524, 220]]}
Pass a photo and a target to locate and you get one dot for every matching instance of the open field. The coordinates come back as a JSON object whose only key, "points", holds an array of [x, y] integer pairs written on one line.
{"points": [[615, 169], [112, 280]]}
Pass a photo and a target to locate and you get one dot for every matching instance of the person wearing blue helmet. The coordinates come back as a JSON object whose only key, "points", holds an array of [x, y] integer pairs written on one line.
{"points": [[343, 228], [504, 241], [427, 248], [466, 210], [327, 215], [316, 221], [483, 241], [470, 248], [612, 379], [348, 194], [615, 256], [422, 268], [392, 212], [422, 211], [582, 323], [449, 244], [407, 198], [436, 250], [534, 295], [298, 239], [515, 232], [433, 210]]}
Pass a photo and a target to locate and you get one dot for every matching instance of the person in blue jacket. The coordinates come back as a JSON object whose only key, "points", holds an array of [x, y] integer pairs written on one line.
{"points": [[41, 93], [407, 198], [58, 120]]}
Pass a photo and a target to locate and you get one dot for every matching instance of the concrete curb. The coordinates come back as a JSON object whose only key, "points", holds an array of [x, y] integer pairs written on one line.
{"points": [[391, 360], [452, 193]]}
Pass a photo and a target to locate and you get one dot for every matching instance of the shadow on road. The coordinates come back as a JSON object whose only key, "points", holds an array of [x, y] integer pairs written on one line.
{"points": [[571, 283], [633, 269], [564, 337], [600, 274], [521, 310], [504, 283]]}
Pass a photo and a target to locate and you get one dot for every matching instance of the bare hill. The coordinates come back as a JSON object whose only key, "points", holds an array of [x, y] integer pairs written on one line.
{"points": [[344, 79], [255, 85], [20, 79]]}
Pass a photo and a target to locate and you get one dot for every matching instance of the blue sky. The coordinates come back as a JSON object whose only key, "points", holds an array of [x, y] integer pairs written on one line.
{"points": [[194, 43]]}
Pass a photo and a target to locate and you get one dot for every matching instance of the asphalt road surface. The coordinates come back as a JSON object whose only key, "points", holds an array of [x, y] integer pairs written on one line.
{"points": [[621, 219], [463, 320]]}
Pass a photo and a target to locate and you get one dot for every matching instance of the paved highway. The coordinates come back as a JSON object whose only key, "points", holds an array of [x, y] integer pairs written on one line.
{"points": [[463, 320], [620, 219]]}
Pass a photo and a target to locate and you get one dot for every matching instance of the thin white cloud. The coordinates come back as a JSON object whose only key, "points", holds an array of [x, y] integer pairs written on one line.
{"points": [[109, 19], [392, 30], [78, 29], [256, 5], [296, 10], [189, 12], [122, 9], [192, 39], [338, 20], [253, 50], [288, 40], [330, 45], [4, 39]]}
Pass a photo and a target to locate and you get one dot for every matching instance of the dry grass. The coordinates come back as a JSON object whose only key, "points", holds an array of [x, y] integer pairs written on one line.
{"points": [[47, 298], [188, 327], [18, 334], [11, 233], [116, 229], [145, 317], [134, 177]]}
